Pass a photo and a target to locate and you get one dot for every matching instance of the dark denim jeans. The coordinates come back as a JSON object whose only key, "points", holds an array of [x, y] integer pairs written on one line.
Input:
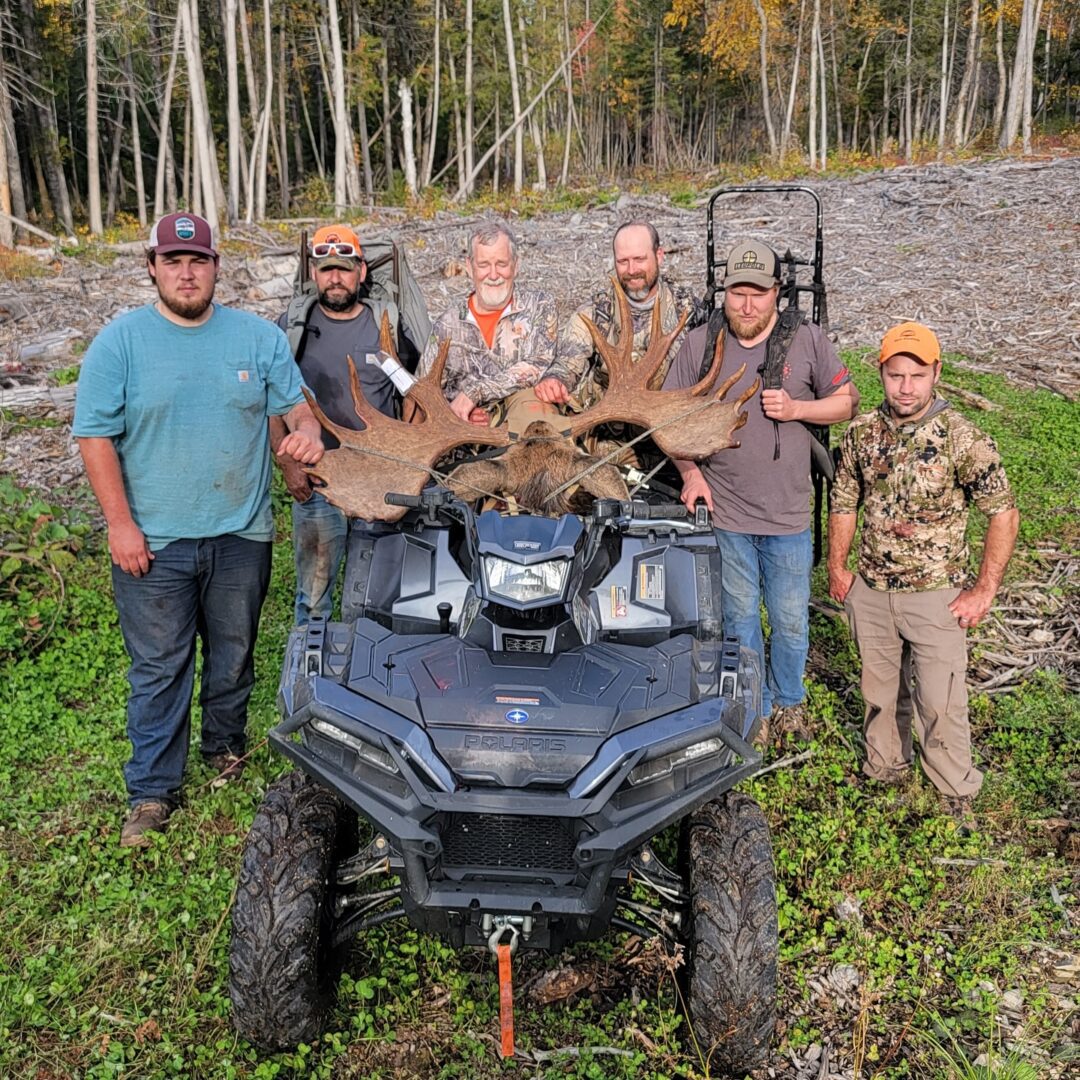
{"points": [[323, 537], [777, 567], [213, 589]]}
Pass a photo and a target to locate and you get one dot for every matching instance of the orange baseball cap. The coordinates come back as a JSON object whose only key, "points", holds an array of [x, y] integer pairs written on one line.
{"points": [[913, 339], [336, 245]]}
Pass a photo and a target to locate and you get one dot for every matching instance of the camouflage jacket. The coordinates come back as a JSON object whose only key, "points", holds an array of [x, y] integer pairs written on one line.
{"points": [[578, 367], [915, 483], [523, 349]]}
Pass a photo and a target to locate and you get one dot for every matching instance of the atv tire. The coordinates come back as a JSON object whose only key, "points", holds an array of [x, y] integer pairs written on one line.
{"points": [[731, 966], [283, 973]]}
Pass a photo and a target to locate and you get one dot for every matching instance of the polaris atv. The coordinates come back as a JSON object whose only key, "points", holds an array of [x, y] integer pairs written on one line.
{"points": [[525, 705]]}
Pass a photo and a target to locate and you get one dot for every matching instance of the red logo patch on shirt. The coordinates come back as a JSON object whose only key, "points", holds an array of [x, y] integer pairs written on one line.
{"points": [[840, 376]]}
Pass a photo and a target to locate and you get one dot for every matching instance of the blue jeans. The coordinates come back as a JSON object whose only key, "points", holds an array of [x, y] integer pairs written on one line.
{"points": [[212, 589], [777, 567], [321, 534]]}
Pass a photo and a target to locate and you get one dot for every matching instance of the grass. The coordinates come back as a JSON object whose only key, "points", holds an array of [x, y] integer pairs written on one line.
{"points": [[899, 936]]}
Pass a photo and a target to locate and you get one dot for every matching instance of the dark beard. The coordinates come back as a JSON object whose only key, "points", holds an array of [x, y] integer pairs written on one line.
{"points": [[345, 303], [186, 309]]}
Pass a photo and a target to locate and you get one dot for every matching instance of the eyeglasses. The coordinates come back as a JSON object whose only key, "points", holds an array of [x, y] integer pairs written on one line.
{"points": [[346, 251]]}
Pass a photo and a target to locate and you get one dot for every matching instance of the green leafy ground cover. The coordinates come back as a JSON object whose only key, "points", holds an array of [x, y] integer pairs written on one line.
{"points": [[899, 936]]}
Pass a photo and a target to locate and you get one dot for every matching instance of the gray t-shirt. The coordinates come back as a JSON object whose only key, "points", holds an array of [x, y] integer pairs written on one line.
{"points": [[322, 363], [752, 492]]}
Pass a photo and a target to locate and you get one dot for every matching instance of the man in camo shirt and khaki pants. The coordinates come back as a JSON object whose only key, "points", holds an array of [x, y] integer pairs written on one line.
{"points": [[915, 465]]}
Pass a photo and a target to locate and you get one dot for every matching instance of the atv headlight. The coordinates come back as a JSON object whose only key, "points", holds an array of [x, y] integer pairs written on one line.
{"points": [[661, 766], [525, 584], [373, 755]]}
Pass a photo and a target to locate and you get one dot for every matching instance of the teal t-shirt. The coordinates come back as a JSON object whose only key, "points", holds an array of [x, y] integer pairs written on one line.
{"points": [[186, 408]]}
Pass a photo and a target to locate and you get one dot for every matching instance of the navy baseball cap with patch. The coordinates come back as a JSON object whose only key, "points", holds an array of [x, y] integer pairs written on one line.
{"points": [[182, 232]]}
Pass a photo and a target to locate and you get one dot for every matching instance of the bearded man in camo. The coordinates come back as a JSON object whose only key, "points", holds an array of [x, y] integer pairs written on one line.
{"points": [[915, 465]]}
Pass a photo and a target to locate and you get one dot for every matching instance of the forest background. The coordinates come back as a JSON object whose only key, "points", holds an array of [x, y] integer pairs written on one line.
{"points": [[244, 110]]}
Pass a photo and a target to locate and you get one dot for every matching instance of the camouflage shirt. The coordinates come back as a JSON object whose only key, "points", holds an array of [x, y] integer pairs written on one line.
{"points": [[523, 348], [577, 366], [915, 482]]}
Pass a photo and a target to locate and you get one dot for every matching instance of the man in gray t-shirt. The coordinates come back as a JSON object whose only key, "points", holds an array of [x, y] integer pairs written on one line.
{"points": [[339, 325], [759, 492]]}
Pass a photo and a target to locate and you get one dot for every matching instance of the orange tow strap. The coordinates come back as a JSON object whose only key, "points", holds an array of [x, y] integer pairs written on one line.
{"points": [[506, 1002]]}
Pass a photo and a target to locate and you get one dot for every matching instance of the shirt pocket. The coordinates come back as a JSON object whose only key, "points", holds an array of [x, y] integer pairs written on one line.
{"points": [[243, 388]]}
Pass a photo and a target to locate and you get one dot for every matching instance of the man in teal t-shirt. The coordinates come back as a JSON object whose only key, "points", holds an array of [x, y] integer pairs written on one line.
{"points": [[171, 412]]}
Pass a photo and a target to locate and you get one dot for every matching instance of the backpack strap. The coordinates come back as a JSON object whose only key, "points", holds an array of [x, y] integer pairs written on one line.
{"points": [[296, 320], [717, 323]]}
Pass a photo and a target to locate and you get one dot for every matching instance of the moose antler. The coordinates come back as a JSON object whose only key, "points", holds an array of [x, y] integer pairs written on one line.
{"points": [[687, 423], [390, 454]]}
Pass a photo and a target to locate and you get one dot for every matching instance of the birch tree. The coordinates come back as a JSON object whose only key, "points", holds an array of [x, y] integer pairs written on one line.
{"points": [[93, 166]]}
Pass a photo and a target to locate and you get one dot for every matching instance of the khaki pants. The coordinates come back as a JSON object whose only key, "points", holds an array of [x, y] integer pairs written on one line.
{"points": [[914, 653]]}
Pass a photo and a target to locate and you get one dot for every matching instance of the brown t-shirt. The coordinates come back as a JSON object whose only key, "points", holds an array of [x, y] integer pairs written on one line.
{"points": [[752, 492]]}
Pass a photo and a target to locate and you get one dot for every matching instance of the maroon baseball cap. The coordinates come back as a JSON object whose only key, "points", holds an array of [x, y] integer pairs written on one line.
{"points": [[182, 232]]}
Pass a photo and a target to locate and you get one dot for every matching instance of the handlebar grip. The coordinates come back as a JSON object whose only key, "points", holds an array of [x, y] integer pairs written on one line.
{"points": [[393, 498], [660, 511]]}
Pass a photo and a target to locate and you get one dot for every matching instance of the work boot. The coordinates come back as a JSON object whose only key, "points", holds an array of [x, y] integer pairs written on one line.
{"points": [[961, 809], [145, 817], [791, 720], [228, 766], [764, 732]]}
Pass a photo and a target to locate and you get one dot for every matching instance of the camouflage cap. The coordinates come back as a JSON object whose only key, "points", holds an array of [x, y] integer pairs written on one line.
{"points": [[752, 263], [911, 339]]}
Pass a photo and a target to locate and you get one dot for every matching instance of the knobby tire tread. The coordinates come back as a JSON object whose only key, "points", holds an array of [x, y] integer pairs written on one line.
{"points": [[282, 974], [732, 964]]}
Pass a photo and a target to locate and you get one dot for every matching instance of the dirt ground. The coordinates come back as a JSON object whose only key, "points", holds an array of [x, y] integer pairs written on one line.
{"points": [[984, 253]]}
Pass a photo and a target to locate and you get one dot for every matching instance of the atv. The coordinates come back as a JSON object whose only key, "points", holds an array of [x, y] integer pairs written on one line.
{"points": [[490, 752]]}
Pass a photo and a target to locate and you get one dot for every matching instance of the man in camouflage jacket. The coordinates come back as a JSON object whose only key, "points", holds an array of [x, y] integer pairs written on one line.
{"points": [[915, 465], [638, 257], [502, 338]]}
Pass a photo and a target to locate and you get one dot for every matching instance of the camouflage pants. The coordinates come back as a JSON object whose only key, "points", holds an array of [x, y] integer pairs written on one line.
{"points": [[892, 628]]}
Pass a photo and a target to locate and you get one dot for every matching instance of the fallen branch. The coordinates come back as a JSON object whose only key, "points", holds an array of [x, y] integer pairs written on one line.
{"points": [[783, 763], [73, 240]]}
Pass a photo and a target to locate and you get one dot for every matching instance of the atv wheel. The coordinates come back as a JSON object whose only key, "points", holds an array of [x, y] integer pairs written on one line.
{"points": [[731, 968], [283, 973]]}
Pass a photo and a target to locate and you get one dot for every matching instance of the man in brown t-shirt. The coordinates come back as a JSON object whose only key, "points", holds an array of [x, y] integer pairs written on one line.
{"points": [[759, 492]]}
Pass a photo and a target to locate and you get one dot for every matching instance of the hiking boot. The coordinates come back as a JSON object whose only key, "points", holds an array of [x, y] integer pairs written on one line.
{"points": [[145, 817], [961, 809], [791, 720], [228, 766], [761, 740]]}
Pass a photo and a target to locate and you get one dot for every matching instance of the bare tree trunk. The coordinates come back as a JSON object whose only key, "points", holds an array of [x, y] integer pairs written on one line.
{"points": [[837, 103], [388, 139], [568, 75], [282, 128], [1019, 85], [909, 133], [534, 122], [960, 124], [824, 73], [262, 144], [13, 174], [136, 141], [858, 95], [114, 165], [201, 140], [943, 99], [1003, 77], [163, 127], [93, 167], [232, 79], [346, 178], [515, 99], [405, 94], [7, 236], [188, 156], [815, 27], [310, 130], [785, 136], [763, 62], [1029, 86], [470, 134], [459, 136], [436, 78]]}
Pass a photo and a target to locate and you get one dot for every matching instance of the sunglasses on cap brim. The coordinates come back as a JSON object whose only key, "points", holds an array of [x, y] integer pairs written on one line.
{"points": [[346, 251]]}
